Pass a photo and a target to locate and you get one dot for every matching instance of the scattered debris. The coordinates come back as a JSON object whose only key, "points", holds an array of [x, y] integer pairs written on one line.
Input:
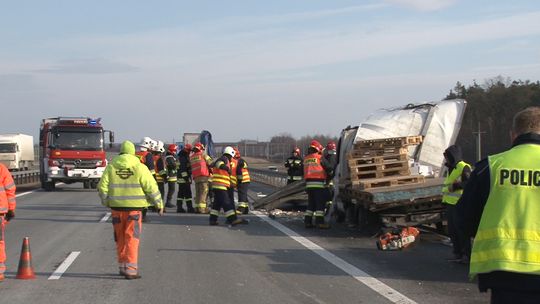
{"points": [[397, 239]]}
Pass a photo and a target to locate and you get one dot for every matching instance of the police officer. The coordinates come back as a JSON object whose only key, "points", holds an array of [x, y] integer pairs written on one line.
{"points": [[295, 167], [501, 207], [127, 186], [458, 175], [7, 211], [221, 182], [315, 167], [184, 181]]}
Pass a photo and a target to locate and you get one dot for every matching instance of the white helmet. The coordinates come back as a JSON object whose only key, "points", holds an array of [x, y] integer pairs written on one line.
{"points": [[160, 146], [146, 143], [229, 150]]}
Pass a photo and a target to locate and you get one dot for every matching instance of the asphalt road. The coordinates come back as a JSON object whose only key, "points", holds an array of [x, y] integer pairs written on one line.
{"points": [[184, 260]]}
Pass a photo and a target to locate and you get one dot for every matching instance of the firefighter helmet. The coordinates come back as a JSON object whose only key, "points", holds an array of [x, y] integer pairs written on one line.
{"points": [[188, 148], [331, 145], [316, 145], [172, 148], [296, 151], [229, 150]]}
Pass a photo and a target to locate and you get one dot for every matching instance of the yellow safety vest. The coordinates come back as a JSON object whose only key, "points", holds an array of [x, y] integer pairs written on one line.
{"points": [[451, 198], [508, 237], [126, 183]]}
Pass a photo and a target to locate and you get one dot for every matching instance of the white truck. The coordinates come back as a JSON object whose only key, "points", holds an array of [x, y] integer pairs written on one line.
{"points": [[17, 151]]}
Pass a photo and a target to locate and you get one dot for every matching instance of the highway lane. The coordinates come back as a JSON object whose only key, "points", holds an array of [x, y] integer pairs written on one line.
{"points": [[184, 260]]}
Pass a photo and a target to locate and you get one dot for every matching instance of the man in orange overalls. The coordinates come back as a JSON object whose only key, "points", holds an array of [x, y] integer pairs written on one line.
{"points": [[7, 211]]}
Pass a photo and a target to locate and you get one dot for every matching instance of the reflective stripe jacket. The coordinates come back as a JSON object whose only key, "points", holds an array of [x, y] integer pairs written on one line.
{"points": [[221, 174], [242, 172], [7, 190], [234, 174], [508, 236], [126, 183], [453, 197], [295, 168], [159, 168], [199, 164], [184, 167], [171, 167], [314, 172]]}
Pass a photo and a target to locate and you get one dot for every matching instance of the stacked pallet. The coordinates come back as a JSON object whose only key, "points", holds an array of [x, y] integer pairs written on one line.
{"points": [[382, 162]]}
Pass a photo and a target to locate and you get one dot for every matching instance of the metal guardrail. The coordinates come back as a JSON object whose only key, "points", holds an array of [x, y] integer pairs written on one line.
{"points": [[25, 177], [268, 177]]}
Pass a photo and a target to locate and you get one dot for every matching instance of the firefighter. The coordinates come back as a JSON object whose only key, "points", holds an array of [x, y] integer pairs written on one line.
{"points": [[458, 175], [7, 211], [315, 167], [295, 166], [127, 187], [145, 156], [200, 172], [500, 207], [221, 183], [171, 168], [330, 154], [159, 167], [243, 181], [184, 181], [234, 176]]}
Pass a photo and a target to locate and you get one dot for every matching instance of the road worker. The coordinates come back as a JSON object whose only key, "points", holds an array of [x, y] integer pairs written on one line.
{"points": [[500, 207], [221, 182], [127, 187], [315, 167], [200, 171], [171, 167], [159, 167], [458, 175], [330, 154], [145, 156], [184, 181], [243, 181], [7, 211], [295, 166]]}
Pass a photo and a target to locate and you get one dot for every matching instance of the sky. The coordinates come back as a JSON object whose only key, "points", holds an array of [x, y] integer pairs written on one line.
{"points": [[246, 69]]}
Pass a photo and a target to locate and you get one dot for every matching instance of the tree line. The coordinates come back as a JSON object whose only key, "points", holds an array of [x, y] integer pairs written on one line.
{"points": [[490, 109]]}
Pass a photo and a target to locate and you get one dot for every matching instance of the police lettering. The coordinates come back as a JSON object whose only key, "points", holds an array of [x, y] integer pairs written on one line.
{"points": [[519, 177]]}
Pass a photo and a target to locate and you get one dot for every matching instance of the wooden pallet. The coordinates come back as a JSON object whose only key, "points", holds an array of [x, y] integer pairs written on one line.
{"points": [[364, 153], [377, 159], [388, 182], [389, 165], [396, 142], [355, 176]]}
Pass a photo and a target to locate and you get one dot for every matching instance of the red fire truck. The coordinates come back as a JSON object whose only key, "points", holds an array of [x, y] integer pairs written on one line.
{"points": [[72, 150]]}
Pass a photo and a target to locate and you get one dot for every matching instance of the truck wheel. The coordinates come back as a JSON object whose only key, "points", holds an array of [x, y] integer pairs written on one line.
{"points": [[49, 186], [86, 184], [93, 184]]}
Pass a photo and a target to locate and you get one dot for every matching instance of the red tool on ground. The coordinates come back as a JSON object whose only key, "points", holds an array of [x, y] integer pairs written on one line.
{"points": [[397, 239]]}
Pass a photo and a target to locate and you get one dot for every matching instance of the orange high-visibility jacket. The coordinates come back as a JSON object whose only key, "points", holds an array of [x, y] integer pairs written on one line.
{"points": [[7, 190], [313, 168], [199, 167], [234, 165]]}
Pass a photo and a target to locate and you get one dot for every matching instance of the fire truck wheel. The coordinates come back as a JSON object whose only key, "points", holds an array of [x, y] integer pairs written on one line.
{"points": [[86, 184], [48, 186]]}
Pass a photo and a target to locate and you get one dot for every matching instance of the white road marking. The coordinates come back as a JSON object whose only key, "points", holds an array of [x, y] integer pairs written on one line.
{"points": [[105, 217], [64, 266], [32, 191], [361, 276]]}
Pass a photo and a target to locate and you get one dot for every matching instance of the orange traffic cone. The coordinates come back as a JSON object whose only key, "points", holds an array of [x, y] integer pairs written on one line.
{"points": [[25, 271]]}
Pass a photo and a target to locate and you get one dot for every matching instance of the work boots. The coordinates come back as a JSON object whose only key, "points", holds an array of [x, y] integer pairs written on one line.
{"points": [[190, 207]]}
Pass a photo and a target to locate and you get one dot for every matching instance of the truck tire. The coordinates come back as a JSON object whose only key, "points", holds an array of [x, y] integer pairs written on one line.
{"points": [[93, 184], [49, 186], [86, 184]]}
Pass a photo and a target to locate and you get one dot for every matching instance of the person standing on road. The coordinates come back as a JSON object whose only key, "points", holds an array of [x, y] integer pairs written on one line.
{"points": [[7, 211], [171, 167], [234, 177], [330, 154], [315, 167], [200, 171], [501, 207], [295, 166], [159, 167], [146, 158], [458, 175], [127, 186], [243, 180], [221, 182], [184, 181]]}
